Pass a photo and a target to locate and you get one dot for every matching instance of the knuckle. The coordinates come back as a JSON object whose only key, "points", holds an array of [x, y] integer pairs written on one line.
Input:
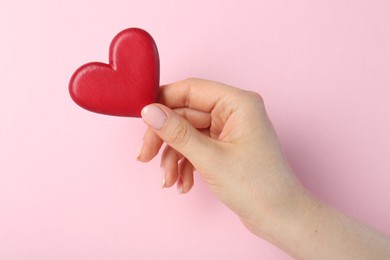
{"points": [[256, 96], [179, 135], [253, 99]]}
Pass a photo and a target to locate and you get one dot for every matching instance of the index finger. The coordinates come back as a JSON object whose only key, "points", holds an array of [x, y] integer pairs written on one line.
{"points": [[202, 95]]}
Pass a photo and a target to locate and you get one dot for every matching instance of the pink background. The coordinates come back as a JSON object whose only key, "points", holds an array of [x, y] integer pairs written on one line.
{"points": [[70, 187]]}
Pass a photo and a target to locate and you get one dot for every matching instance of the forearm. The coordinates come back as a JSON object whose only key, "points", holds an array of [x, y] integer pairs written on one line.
{"points": [[310, 230]]}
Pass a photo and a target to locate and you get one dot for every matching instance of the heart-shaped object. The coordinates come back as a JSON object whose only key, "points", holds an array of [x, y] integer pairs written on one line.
{"points": [[124, 86]]}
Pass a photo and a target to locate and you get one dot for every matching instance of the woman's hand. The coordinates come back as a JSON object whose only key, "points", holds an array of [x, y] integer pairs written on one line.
{"points": [[225, 134]]}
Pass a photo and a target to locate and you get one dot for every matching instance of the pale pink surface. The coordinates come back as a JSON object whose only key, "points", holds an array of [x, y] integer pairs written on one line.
{"points": [[69, 185]]}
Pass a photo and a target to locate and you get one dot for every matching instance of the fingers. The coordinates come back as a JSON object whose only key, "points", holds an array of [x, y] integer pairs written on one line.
{"points": [[189, 105], [186, 176], [152, 142], [176, 169], [197, 94], [179, 134], [169, 165], [150, 146], [196, 118]]}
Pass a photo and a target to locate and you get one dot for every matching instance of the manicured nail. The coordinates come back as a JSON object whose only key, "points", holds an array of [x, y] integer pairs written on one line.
{"points": [[154, 116], [179, 186], [163, 178], [139, 152]]}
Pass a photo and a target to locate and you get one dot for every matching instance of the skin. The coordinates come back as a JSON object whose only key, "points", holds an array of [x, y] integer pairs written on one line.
{"points": [[199, 120]]}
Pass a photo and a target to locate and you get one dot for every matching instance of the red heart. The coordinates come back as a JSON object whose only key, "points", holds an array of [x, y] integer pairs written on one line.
{"points": [[124, 86]]}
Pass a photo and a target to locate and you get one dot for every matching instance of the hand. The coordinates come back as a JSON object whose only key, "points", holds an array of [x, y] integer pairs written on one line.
{"points": [[225, 134]]}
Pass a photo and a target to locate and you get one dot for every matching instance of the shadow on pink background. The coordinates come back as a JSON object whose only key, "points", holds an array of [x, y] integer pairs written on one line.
{"points": [[70, 187]]}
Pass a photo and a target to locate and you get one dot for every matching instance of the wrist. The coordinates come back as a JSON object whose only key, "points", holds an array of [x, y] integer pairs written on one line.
{"points": [[293, 210], [292, 225]]}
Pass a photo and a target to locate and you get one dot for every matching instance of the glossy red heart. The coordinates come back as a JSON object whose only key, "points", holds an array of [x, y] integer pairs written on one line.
{"points": [[124, 86]]}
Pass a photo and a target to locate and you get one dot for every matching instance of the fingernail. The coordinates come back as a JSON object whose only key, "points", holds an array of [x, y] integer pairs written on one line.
{"points": [[154, 116], [139, 152], [163, 178], [179, 186]]}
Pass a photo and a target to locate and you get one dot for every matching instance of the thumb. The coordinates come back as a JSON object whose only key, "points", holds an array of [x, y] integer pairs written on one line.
{"points": [[178, 133]]}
